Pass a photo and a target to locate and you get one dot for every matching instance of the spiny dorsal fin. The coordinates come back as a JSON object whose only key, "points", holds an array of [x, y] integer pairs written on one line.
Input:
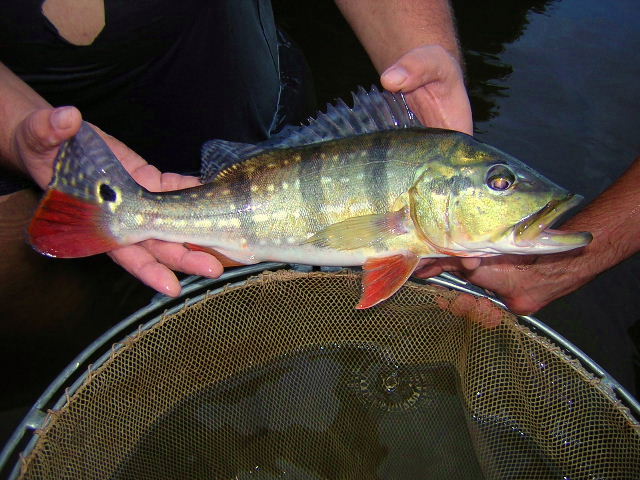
{"points": [[372, 111]]}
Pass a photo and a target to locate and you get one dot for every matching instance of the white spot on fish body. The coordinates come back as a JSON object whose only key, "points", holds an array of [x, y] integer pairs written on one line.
{"points": [[326, 180], [279, 215], [139, 219], [204, 223], [333, 209], [260, 217], [254, 188], [285, 186], [270, 187]]}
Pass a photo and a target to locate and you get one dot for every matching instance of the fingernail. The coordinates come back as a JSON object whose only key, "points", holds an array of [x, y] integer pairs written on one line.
{"points": [[395, 75], [62, 118]]}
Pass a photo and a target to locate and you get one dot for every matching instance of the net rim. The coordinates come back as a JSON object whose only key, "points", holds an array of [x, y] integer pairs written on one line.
{"points": [[156, 310]]}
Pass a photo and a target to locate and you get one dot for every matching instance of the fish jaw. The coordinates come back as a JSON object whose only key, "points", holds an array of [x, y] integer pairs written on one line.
{"points": [[533, 234], [530, 235]]}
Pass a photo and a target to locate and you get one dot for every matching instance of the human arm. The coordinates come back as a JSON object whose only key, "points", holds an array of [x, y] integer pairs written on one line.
{"points": [[413, 44], [31, 132], [526, 284]]}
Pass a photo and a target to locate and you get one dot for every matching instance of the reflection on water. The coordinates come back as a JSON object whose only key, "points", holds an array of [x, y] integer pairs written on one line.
{"points": [[484, 28], [338, 412]]}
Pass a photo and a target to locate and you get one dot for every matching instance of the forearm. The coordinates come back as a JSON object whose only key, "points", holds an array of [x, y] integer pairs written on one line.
{"points": [[17, 100], [389, 28], [614, 220]]}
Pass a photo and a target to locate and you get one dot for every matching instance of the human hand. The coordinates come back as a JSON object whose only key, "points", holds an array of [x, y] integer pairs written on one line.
{"points": [[36, 141], [433, 84], [525, 283]]}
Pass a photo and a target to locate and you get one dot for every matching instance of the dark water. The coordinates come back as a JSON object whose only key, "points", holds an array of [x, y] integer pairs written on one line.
{"points": [[336, 412], [554, 83]]}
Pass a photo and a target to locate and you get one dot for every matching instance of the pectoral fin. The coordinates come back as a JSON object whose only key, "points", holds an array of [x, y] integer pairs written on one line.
{"points": [[384, 276], [358, 232]]}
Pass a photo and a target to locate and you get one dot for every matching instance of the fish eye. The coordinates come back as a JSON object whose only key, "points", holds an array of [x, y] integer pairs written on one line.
{"points": [[500, 178]]}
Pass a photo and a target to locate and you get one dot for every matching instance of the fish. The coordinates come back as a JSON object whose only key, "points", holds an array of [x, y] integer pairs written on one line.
{"points": [[363, 186]]}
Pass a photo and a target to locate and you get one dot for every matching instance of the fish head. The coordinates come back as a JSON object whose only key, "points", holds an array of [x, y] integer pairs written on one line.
{"points": [[480, 201]]}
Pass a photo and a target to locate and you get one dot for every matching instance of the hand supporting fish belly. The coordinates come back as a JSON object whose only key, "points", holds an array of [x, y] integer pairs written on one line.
{"points": [[366, 185]]}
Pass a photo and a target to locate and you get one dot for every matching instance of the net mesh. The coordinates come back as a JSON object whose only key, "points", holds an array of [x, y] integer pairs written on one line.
{"points": [[281, 377]]}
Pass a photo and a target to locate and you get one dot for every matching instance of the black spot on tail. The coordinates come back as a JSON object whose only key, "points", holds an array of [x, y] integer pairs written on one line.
{"points": [[107, 194]]}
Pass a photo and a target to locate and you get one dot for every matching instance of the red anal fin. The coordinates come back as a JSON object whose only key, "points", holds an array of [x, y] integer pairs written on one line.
{"points": [[223, 259], [384, 276], [67, 227], [453, 253]]}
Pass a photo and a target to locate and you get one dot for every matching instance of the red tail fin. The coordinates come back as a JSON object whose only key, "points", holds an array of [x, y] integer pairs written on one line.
{"points": [[66, 226]]}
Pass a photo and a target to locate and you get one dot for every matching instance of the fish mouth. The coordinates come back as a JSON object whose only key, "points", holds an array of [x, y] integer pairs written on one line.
{"points": [[534, 230]]}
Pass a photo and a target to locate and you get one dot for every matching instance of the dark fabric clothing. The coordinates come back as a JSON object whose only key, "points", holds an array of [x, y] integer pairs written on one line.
{"points": [[163, 76]]}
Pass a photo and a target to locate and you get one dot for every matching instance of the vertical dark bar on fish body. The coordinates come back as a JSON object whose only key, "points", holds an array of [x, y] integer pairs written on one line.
{"points": [[243, 196], [311, 192], [376, 171]]}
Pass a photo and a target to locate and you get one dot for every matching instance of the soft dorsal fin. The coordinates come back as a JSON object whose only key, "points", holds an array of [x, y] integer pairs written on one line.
{"points": [[372, 111]]}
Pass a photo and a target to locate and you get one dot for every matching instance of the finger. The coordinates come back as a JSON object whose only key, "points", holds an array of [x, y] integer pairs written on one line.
{"points": [[131, 161], [177, 257], [433, 84], [136, 260], [147, 175], [44, 130], [470, 263], [174, 181], [39, 136], [419, 67], [485, 313], [462, 305], [428, 271]]}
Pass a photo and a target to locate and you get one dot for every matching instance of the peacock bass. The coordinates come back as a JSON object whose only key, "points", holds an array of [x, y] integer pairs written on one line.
{"points": [[364, 185]]}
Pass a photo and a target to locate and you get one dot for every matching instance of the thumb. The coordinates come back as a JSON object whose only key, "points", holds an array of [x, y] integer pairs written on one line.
{"points": [[39, 135], [422, 66]]}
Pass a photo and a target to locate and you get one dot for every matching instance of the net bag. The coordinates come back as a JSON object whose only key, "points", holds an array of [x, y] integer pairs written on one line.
{"points": [[279, 377]]}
